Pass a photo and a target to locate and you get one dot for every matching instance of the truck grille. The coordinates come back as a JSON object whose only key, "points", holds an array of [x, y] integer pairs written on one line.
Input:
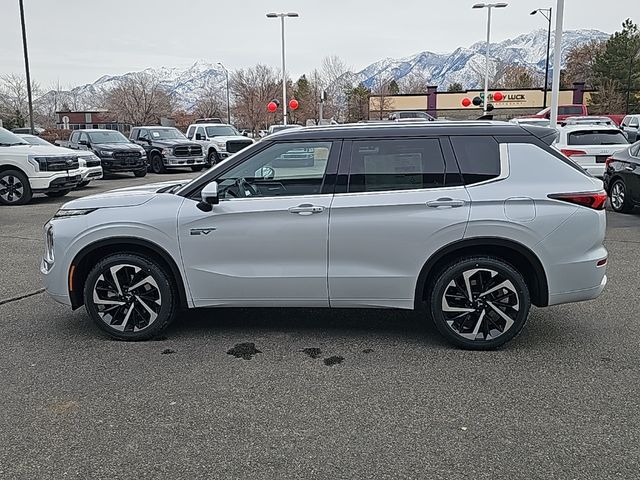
{"points": [[187, 151], [127, 155], [59, 164], [234, 146]]}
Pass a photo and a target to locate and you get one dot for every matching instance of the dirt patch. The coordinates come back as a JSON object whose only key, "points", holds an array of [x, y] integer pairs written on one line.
{"points": [[335, 360], [244, 350], [168, 351], [312, 352], [62, 408], [367, 350]]}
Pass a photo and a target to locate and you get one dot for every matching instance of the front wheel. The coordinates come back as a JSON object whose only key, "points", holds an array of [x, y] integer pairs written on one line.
{"points": [[140, 173], [212, 158], [157, 165], [14, 188], [620, 201], [57, 193], [479, 303], [197, 168], [130, 296], [83, 184]]}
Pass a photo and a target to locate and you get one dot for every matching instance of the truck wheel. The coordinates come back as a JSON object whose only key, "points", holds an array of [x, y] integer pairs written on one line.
{"points": [[197, 168], [618, 197], [157, 165], [57, 193], [14, 188], [140, 173], [83, 184], [212, 158]]}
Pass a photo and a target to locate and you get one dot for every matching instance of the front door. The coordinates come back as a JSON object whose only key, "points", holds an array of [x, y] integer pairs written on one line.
{"points": [[265, 243], [404, 202]]}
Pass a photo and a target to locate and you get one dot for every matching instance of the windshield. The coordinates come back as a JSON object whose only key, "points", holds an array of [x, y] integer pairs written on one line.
{"points": [[597, 137], [221, 131], [7, 139], [33, 140], [166, 134], [107, 137]]}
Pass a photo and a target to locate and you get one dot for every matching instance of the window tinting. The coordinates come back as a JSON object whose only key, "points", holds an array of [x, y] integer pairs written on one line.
{"points": [[478, 157], [378, 165], [570, 110], [597, 137]]}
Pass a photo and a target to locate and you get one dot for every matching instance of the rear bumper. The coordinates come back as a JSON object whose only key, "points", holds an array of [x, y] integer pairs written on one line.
{"points": [[578, 295]]}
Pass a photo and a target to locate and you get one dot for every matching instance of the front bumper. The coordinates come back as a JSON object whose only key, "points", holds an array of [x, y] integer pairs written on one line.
{"points": [[118, 165], [56, 181], [90, 173], [172, 161]]}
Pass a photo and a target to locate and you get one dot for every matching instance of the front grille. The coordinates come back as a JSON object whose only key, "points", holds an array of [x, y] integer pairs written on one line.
{"points": [[93, 163], [59, 164], [126, 155], [187, 151], [234, 146]]}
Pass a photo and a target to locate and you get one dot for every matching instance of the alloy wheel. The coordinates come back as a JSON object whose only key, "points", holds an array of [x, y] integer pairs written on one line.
{"points": [[617, 196], [127, 298], [11, 188], [480, 304]]}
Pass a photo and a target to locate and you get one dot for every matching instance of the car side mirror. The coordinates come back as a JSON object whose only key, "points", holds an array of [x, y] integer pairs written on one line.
{"points": [[209, 197], [199, 136]]}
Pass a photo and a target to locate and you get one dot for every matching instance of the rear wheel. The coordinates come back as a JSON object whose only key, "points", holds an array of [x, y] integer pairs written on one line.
{"points": [[157, 165], [14, 188], [57, 193], [479, 303], [620, 201], [130, 296], [197, 168]]}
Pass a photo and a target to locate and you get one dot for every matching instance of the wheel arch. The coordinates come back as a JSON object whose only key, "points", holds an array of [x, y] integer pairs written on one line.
{"points": [[89, 255], [5, 167], [514, 253]]}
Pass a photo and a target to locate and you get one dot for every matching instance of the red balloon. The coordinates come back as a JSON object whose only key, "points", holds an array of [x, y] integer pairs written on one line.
{"points": [[272, 107], [466, 102], [293, 104], [498, 96]]}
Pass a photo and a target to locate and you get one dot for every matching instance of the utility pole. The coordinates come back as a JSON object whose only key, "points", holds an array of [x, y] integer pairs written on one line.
{"points": [[26, 66], [557, 52]]}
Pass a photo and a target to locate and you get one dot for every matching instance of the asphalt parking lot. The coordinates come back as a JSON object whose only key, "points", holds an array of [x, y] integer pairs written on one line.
{"points": [[332, 394]]}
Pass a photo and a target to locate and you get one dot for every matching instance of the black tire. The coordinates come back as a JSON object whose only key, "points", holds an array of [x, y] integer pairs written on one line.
{"points": [[14, 188], [619, 200], [101, 281], [83, 184], [197, 168], [57, 193], [157, 165], [477, 324], [140, 173], [212, 158]]}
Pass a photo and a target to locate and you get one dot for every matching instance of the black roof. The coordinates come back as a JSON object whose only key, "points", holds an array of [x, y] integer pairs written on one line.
{"points": [[399, 129]]}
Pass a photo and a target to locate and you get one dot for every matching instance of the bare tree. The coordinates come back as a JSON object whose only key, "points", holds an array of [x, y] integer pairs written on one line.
{"points": [[413, 83], [381, 92], [517, 76], [210, 101], [335, 77], [14, 103], [581, 61], [253, 88], [139, 99]]}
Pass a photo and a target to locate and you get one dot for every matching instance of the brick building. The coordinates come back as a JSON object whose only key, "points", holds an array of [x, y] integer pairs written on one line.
{"points": [[89, 119]]}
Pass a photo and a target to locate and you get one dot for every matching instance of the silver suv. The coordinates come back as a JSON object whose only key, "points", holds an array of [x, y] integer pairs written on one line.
{"points": [[469, 222]]}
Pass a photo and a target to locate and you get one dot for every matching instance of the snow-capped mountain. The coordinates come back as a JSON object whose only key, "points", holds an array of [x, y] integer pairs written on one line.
{"points": [[463, 65]]}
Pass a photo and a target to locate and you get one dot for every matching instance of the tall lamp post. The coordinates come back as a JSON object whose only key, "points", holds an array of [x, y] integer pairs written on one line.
{"points": [[226, 72], [546, 13], [284, 73], [26, 66], [489, 7], [557, 52]]}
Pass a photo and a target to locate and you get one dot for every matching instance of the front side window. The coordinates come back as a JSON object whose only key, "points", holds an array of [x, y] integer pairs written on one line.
{"points": [[478, 157], [282, 169], [83, 137], [143, 135], [635, 150], [200, 131], [399, 164], [634, 122], [597, 137], [191, 132]]}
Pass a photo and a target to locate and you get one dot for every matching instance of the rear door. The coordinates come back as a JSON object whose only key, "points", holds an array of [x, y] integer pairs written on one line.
{"points": [[398, 200]]}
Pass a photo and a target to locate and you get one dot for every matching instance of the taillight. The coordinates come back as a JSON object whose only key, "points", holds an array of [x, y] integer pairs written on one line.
{"points": [[570, 152], [595, 200], [608, 161]]}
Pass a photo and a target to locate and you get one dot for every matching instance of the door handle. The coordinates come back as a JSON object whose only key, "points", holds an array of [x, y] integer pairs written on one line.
{"points": [[306, 209], [446, 202]]}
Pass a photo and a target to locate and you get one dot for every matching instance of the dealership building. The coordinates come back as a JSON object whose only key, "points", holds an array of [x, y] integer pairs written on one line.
{"points": [[516, 102]]}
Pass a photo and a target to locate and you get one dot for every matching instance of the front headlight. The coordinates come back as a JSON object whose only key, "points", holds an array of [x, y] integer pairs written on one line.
{"points": [[73, 212], [221, 145], [82, 162], [40, 163], [48, 244], [106, 153], [166, 151]]}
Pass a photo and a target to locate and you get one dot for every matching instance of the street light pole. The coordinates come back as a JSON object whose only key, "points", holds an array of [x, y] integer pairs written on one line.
{"points": [[26, 66], [557, 52], [228, 102], [284, 72], [546, 65], [489, 7]]}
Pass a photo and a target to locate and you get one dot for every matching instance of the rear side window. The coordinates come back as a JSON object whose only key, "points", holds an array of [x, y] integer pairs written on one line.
{"points": [[570, 110], [399, 164], [596, 137], [478, 158]]}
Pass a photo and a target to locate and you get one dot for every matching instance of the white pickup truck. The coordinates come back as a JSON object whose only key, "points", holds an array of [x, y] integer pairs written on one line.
{"points": [[218, 140], [27, 169]]}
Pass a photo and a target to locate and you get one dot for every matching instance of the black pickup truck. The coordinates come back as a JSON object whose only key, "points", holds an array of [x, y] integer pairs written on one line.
{"points": [[117, 152], [167, 148]]}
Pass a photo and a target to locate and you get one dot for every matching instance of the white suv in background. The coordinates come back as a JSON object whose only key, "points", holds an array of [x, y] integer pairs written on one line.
{"points": [[26, 169], [590, 145], [470, 223], [218, 140]]}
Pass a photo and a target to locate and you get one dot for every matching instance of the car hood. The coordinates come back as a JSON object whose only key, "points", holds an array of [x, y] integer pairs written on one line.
{"points": [[123, 197], [117, 146], [226, 138], [37, 150], [174, 143]]}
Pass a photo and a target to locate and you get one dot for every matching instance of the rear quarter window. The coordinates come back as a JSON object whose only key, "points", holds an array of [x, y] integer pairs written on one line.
{"points": [[478, 157], [572, 110], [596, 137]]}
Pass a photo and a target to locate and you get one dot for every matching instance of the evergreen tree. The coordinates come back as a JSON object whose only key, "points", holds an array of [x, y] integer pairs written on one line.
{"points": [[455, 87]]}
